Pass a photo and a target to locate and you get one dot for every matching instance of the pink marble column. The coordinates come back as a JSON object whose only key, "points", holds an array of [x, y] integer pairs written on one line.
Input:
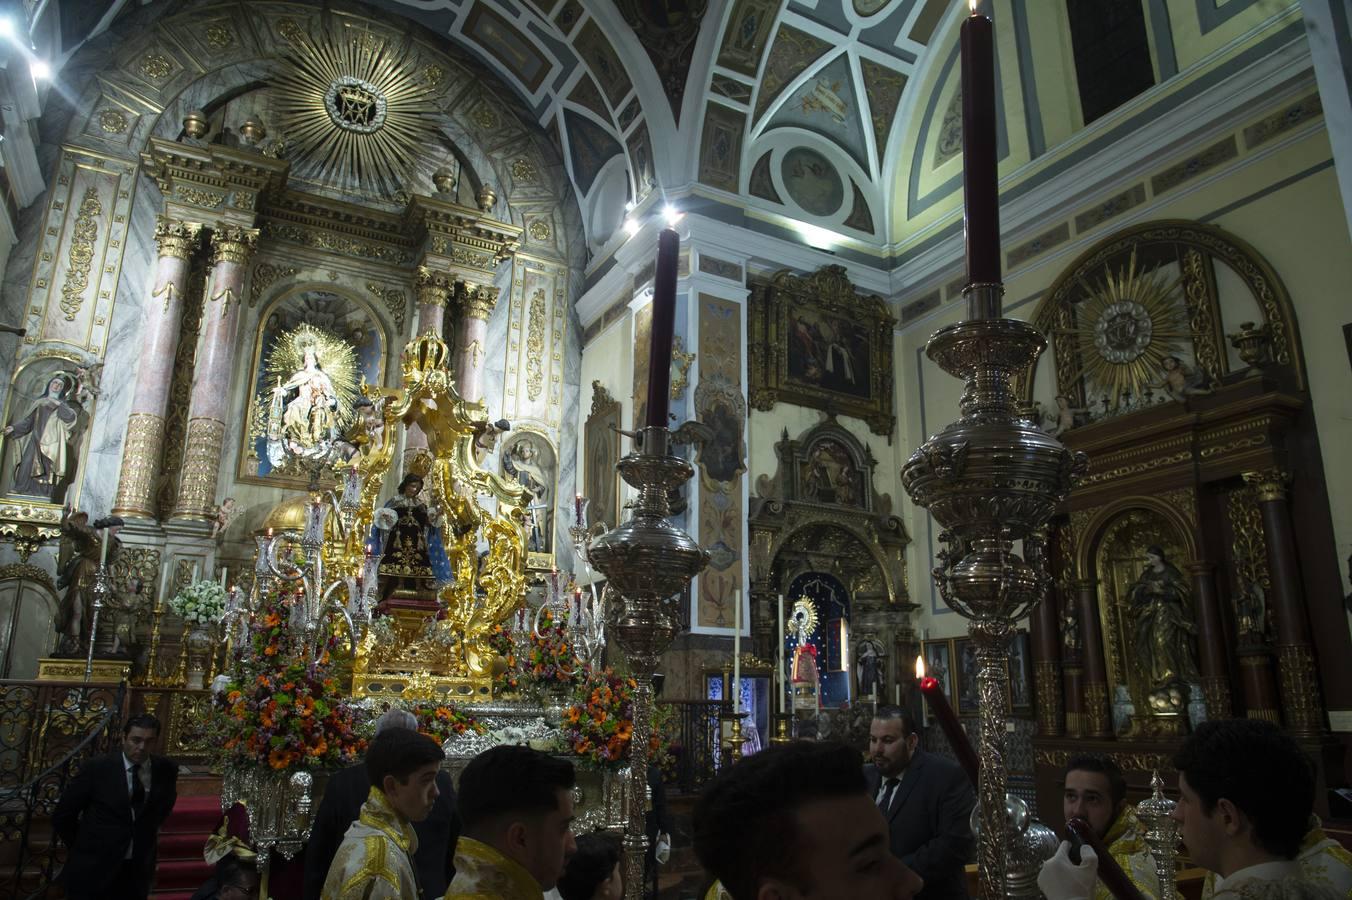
{"points": [[476, 305], [163, 318], [231, 247], [434, 291]]}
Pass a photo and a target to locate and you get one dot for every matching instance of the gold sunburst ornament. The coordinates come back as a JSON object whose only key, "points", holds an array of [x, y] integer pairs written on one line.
{"points": [[1125, 327], [355, 106], [307, 400], [803, 621]]}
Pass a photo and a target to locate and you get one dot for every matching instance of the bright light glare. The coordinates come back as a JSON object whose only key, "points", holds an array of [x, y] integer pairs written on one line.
{"points": [[671, 214], [41, 71], [631, 226], [6, 27], [816, 236]]}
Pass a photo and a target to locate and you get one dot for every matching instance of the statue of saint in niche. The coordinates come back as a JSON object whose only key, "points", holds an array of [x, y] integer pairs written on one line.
{"points": [[310, 403], [1165, 636], [529, 461], [48, 440]]}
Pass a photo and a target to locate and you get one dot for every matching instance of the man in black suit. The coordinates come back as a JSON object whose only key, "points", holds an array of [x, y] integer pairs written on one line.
{"points": [[347, 791], [927, 802], [110, 816]]}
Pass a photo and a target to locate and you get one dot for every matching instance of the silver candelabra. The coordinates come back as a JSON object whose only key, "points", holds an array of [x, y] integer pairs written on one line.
{"points": [[647, 561]]}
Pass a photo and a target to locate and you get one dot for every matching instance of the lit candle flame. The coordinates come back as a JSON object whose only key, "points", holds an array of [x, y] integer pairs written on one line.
{"points": [[972, 4], [919, 666]]}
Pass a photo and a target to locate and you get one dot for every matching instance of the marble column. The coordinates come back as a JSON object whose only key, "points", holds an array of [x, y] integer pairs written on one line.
{"points": [[1097, 718], [434, 291], [162, 322], [1046, 646], [1296, 672], [476, 302], [208, 407], [1211, 641]]}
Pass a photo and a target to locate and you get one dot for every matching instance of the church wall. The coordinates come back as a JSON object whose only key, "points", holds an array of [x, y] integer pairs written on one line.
{"points": [[1281, 197]]}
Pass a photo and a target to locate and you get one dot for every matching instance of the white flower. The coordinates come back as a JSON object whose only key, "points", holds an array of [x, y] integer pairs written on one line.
{"points": [[200, 603], [386, 518]]}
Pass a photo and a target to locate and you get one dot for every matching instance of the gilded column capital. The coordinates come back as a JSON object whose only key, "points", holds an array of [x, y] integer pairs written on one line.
{"points": [[478, 300], [433, 288], [175, 238], [231, 243], [1269, 485]]}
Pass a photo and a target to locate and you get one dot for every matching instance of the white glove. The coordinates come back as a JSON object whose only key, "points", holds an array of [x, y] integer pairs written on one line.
{"points": [[663, 851], [1061, 879]]}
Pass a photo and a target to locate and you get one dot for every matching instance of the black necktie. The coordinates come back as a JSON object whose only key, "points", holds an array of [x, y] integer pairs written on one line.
{"points": [[889, 791], [138, 790]]}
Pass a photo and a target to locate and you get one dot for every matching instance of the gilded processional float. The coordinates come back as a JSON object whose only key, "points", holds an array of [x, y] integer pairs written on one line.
{"points": [[349, 597]]}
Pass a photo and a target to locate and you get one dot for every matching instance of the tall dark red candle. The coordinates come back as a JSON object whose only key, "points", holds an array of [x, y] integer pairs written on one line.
{"points": [[981, 195], [948, 720], [1109, 872], [664, 328]]}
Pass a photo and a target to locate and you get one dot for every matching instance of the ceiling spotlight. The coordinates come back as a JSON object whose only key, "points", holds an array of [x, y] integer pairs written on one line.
{"points": [[631, 226], [629, 206], [41, 71], [671, 214]]}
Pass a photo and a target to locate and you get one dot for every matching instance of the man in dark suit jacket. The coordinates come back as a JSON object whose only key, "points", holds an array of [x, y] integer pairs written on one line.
{"points": [[110, 816], [927, 801], [347, 791]]}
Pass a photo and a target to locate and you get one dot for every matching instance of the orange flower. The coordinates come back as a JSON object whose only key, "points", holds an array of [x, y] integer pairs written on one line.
{"points": [[272, 620]]}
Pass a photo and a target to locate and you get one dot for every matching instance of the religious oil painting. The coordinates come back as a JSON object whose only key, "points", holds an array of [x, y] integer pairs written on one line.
{"points": [[812, 181], [816, 341], [315, 349], [45, 429], [828, 474], [939, 665], [964, 655]]}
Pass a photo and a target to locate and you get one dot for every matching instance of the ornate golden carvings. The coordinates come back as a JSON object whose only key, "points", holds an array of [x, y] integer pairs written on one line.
{"points": [[394, 299], [1300, 689], [1216, 690], [156, 66], [1198, 294], [540, 230], [140, 465], [26, 572], [265, 274], [113, 121], [1096, 708], [200, 197], [201, 467], [231, 243], [81, 255], [535, 345], [1269, 485], [523, 172], [433, 288], [218, 36], [680, 365], [319, 239], [1249, 558], [479, 301], [1126, 761], [176, 239], [1047, 686]]}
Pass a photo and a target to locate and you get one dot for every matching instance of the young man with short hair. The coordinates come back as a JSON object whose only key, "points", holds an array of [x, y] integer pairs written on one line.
{"points": [[516, 808], [110, 816], [796, 822], [1096, 791], [375, 859]]}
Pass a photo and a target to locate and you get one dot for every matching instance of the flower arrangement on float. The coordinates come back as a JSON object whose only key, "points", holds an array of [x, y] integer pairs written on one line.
{"points": [[201, 603], [534, 662], [279, 710], [441, 721]]}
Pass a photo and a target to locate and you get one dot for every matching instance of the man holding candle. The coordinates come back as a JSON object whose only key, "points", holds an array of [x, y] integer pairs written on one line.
{"points": [[927, 802], [1096, 792]]}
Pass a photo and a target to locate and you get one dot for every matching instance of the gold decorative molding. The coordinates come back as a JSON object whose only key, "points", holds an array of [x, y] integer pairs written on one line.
{"points": [[535, 345], [479, 300], [433, 288], [26, 572], [140, 465], [680, 367], [1300, 690], [81, 254], [1216, 690], [1248, 554], [1127, 761], [1198, 297], [201, 468], [1269, 485], [103, 671], [394, 301], [1096, 708], [175, 238], [233, 243], [113, 121], [199, 197], [29, 525], [1047, 687], [265, 274]]}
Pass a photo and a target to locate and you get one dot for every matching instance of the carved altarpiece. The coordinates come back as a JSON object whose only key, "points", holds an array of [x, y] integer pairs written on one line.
{"points": [[1203, 474], [796, 529]]}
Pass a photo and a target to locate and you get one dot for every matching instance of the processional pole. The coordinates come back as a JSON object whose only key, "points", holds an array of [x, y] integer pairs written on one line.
{"points": [[992, 477], [647, 561]]}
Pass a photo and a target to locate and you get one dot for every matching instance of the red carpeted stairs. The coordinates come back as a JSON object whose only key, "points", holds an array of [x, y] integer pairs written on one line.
{"points": [[181, 869]]}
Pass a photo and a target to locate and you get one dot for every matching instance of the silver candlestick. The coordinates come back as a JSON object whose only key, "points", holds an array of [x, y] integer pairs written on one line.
{"points": [[1161, 835], [990, 479], [103, 586], [647, 561]]}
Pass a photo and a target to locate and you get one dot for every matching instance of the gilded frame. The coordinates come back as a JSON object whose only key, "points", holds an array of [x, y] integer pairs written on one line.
{"points": [[856, 348], [601, 451]]}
